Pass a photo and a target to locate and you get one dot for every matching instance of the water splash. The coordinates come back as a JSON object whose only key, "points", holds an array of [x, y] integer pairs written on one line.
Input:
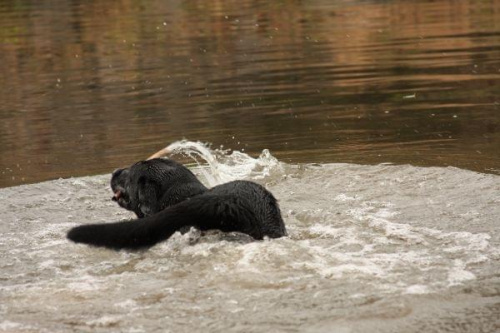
{"points": [[223, 166]]}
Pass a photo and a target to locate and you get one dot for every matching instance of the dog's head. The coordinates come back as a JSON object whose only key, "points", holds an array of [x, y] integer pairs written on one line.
{"points": [[120, 182], [149, 186]]}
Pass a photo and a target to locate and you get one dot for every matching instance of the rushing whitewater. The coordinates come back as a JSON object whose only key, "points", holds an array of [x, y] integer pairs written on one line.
{"points": [[371, 248]]}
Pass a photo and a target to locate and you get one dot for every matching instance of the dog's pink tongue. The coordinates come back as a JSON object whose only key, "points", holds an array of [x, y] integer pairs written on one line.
{"points": [[118, 195]]}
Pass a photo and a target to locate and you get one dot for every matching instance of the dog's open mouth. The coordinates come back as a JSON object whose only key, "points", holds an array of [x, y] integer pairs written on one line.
{"points": [[121, 197], [117, 196]]}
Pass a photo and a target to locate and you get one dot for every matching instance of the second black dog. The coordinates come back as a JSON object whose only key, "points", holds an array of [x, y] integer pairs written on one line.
{"points": [[166, 196]]}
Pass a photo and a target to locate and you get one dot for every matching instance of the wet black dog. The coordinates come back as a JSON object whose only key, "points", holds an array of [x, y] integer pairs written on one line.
{"points": [[166, 196]]}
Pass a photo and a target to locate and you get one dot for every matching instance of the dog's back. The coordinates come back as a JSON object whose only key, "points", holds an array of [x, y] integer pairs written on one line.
{"points": [[170, 197]]}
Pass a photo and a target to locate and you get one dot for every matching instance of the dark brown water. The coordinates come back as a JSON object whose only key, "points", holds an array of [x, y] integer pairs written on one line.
{"points": [[86, 86]]}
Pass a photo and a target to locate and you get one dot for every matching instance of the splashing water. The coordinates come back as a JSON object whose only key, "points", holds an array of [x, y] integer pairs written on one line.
{"points": [[367, 244], [224, 167]]}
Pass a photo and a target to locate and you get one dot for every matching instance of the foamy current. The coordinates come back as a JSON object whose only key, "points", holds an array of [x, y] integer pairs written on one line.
{"points": [[371, 248]]}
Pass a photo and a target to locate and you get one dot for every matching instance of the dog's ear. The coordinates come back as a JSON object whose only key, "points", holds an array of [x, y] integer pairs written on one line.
{"points": [[148, 195], [119, 179]]}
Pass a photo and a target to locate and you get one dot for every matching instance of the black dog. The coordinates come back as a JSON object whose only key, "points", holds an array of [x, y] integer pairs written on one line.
{"points": [[166, 196]]}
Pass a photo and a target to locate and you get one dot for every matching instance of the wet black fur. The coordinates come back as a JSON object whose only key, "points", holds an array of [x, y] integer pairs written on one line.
{"points": [[166, 196]]}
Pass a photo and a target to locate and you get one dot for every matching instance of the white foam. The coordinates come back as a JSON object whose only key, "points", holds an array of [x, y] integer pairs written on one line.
{"points": [[85, 283], [343, 198], [105, 321], [128, 304], [251, 251], [223, 167], [417, 289], [9, 326], [458, 274], [412, 249]]}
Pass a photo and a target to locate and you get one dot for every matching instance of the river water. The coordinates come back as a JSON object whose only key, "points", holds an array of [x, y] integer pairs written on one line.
{"points": [[376, 124], [90, 85], [370, 248]]}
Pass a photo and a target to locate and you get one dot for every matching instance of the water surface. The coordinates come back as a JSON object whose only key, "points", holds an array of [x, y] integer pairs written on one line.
{"points": [[375, 123], [87, 86], [380, 248]]}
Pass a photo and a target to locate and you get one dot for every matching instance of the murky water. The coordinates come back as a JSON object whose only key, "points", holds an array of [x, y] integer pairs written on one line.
{"points": [[86, 86], [375, 123], [377, 248]]}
